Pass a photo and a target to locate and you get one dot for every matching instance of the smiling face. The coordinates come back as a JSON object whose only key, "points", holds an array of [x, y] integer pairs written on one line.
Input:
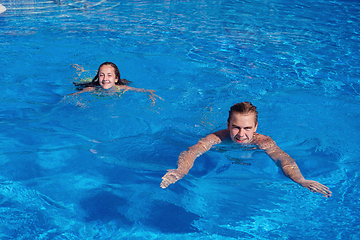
{"points": [[242, 127], [107, 76]]}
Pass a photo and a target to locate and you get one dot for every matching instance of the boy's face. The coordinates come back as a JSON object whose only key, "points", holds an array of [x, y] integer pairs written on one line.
{"points": [[242, 127], [107, 77]]}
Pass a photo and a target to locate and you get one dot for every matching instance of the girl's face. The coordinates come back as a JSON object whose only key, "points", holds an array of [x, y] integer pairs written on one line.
{"points": [[107, 77]]}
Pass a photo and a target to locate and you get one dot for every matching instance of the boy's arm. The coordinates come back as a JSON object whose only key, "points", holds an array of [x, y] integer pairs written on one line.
{"points": [[187, 158], [289, 166]]}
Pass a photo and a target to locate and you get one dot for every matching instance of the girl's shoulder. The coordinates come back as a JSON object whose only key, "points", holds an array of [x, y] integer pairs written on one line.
{"points": [[121, 87]]}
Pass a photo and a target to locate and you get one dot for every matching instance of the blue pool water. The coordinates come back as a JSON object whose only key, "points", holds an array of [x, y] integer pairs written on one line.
{"points": [[90, 166]]}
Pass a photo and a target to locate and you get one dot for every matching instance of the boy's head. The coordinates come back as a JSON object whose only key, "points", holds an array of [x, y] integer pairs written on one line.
{"points": [[242, 122], [243, 108]]}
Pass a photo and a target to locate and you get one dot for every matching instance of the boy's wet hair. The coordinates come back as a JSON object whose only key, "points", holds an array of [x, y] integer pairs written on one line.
{"points": [[95, 81], [243, 108]]}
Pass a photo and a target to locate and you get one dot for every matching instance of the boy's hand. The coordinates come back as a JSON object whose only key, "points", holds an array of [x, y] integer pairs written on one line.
{"points": [[316, 187], [170, 177]]}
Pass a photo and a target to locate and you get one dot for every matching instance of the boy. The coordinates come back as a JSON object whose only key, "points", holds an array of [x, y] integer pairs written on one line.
{"points": [[241, 129]]}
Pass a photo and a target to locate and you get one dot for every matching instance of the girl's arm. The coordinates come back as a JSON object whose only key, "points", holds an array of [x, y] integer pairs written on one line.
{"points": [[152, 96], [87, 89]]}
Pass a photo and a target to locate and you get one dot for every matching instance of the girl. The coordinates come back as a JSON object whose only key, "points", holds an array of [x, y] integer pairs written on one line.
{"points": [[108, 78]]}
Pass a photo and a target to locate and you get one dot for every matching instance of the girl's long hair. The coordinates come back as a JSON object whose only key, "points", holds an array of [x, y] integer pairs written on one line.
{"points": [[95, 81]]}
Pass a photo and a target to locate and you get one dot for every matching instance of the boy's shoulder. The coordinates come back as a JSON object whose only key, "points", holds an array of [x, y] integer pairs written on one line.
{"points": [[222, 134], [263, 141]]}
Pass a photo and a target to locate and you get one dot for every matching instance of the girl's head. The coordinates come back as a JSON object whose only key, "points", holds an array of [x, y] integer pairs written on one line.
{"points": [[107, 76]]}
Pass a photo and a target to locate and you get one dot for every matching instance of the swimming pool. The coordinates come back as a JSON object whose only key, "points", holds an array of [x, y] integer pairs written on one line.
{"points": [[92, 170]]}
